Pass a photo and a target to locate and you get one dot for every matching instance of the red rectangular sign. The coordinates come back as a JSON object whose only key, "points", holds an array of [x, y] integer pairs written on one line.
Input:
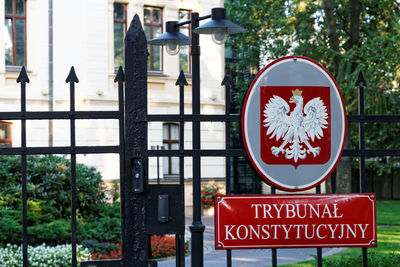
{"points": [[286, 221]]}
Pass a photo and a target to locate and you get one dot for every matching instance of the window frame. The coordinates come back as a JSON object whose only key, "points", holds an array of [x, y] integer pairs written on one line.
{"points": [[119, 21], [14, 17], [188, 27], [151, 24], [168, 142], [7, 140]]}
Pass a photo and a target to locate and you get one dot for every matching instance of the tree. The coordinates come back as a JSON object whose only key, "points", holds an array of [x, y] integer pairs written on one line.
{"points": [[344, 36]]}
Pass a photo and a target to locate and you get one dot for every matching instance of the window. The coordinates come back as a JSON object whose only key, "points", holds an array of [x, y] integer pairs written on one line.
{"points": [[5, 134], [184, 56], [152, 29], [15, 32], [119, 33], [171, 141]]}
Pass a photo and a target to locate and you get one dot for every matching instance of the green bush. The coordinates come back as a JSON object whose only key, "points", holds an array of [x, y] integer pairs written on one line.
{"points": [[10, 227], [105, 228], [54, 233], [49, 203], [102, 248], [48, 179]]}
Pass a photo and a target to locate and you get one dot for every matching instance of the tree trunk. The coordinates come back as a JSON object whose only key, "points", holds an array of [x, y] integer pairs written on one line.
{"points": [[355, 11], [343, 170], [330, 21]]}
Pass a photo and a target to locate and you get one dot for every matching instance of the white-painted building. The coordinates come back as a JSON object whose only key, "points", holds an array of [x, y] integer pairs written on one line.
{"points": [[87, 34]]}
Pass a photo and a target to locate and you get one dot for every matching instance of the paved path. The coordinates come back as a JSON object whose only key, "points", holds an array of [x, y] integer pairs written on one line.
{"points": [[246, 257]]}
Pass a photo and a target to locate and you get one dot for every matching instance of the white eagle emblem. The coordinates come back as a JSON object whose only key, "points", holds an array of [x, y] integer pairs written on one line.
{"points": [[295, 129]]}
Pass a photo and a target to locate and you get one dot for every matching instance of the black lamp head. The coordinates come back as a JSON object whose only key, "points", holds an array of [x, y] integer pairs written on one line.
{"points": [[219, 24], [171, 35], [172, 38]]}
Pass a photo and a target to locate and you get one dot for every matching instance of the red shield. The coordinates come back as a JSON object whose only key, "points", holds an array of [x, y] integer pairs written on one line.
{"points": [[316, 151]]}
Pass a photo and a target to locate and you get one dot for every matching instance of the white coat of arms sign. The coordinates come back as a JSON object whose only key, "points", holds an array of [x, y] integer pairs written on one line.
{"points": [[294, 123]]}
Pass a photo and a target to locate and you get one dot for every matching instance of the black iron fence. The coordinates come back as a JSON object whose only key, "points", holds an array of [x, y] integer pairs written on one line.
{"points": [[72, 115], [139, 215]]}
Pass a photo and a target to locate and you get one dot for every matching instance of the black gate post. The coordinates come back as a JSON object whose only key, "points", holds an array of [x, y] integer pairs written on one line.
{"points": [[135, 247], [197, 228]]}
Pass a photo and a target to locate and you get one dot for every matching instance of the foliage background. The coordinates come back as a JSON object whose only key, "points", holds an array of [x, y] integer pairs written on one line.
{"points": [[49, 202], [343, 36]]}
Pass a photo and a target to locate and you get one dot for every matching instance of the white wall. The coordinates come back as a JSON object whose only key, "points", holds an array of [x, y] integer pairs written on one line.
{"points": [[83, 38]]}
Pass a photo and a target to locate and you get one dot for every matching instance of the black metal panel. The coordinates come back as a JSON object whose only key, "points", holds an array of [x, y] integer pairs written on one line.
{"points": [[176, 205]]}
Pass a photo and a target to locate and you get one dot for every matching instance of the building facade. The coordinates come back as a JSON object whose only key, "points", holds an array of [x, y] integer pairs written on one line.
{"points": [[48, 37]]}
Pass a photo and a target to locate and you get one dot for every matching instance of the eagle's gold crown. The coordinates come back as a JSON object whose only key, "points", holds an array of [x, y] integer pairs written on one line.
{"points": [[297, 92]]}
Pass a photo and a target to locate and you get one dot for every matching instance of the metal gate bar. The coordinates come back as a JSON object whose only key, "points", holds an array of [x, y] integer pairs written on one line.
{"points": [[319, 250], [227, 81], [361, 135], [72, 79], [120, 78], [23, 79], [180, 239], [274, 250]]}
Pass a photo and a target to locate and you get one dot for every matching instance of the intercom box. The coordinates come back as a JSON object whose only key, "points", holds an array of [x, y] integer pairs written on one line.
{"points": [[165, 213]]}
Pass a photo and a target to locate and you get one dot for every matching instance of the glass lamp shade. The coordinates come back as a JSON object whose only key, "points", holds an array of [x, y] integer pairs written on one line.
{"points": [[219, 37], [219, 26], [172, 48]]}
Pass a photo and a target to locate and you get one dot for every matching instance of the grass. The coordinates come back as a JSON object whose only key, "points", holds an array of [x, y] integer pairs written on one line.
{"points": [[387, 253], [388, 212]]}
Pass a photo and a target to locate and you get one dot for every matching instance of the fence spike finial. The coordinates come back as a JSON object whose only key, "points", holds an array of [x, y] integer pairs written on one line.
{"points": [[135, 33], [120, 75], [72, 78], [227, 81], [23, 77], [181, 79], [360, 80]]}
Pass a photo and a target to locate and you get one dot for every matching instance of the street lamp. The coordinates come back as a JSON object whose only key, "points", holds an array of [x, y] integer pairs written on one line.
{"points": [[172, 38], [219, 27]]}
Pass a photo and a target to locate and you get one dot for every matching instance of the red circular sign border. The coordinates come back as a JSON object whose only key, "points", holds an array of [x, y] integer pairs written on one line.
{"points": [[244, 135]]}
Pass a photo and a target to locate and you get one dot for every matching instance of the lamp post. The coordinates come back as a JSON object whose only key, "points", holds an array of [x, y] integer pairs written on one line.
{"points": [[219, 27]]}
